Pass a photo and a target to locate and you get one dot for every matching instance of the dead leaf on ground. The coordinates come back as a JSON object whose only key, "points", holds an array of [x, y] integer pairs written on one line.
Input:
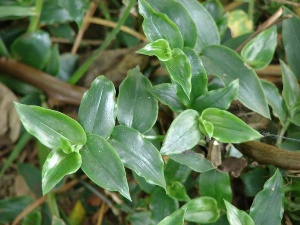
{"points": [[9, 121], [233, 165]]}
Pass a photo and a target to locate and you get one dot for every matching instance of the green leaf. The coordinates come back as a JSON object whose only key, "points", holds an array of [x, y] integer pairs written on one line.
{"points": [[259, 52], [138, 154], [49, 126], [158, 26], [239, 23], [176, 218], [137, 108], [228, 65], [206, 127], [216, 184], [143, 184], [180, 16], [175, 171], [139, 218], [199, 77], [236, 216], [254, 180], [68, 66], [202, 210], [194, 160], [65, 145], [97, 112], [11, 207], [275, 100], [166, 94], [183, 133], [220, 98], [3, 49], [291, 40], [33, 218], [62, 11], [180, 70], [57, 221], [161, 205], [177, 191], [53, 65], [57, 165], [102, 164], [206, 27], [32, 176], [267, 206], [33, 48], [160, 48], [228, 128], [291, 89]]}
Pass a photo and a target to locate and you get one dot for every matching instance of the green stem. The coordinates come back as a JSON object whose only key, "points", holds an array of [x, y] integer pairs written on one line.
{"points": [[53, 204], [23, 140], [282, 132], [154, 137], [251, 9], [34, 21], [81, 71]]}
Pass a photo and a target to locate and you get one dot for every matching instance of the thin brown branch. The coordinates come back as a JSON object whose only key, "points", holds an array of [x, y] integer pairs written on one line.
{"points": [[54, 88], [84, 26], [126, 29], [268, 23], [288, 2], [268, 154]]}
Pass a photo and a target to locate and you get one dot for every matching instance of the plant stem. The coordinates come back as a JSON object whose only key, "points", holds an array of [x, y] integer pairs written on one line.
{"points": [[80, 72], [23, 140], [53, 204], [154, 137], [282, 132], [251, 10], [34, 20]]}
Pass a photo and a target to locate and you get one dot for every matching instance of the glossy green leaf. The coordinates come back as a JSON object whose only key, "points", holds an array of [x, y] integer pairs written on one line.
{"points": [[49, 126], [3, 49], [137, 108], [206, 27], [53, 65], [180, 16], [199, 77], [62, 11], [206, 127], [216, 184], [291, 40], [138, 154], [259, 52], [11, 207], [236, 216], [158, 26], [195, 161], [177, 191], [220, 98], [97, 112], [33, 218], [143, 184], [215, 8], [202, 210], [68, 66], [102, 164], [160, 48], [227, 64], [57, 165], [183, 133], [254, 180], [296, 118], [140, 218], [180, 70], [175, 171], [176, 218], [291, 89], [166, 94], [267, 206], [228, 128], [33, 48], [275, 100], [65, 145], [161, 205]]}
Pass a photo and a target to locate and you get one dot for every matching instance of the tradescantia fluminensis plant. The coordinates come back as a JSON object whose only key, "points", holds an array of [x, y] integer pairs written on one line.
{"points": [[186, 40]]}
